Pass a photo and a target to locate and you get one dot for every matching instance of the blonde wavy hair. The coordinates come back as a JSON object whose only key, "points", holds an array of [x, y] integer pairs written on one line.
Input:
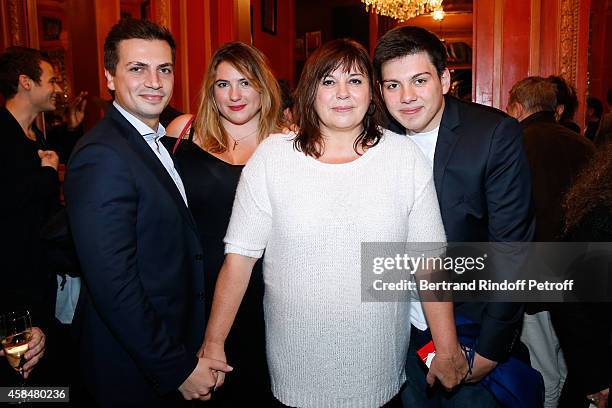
{"points": [[251, 63]]}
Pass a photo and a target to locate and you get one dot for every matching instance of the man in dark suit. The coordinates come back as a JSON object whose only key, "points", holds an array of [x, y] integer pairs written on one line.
{"points": [[483, 186], [556, 155], [141, 315]]}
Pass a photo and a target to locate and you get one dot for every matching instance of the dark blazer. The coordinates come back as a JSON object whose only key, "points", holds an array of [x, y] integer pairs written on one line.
{"points": [[556, 155], [141, 317], [484, 189]]}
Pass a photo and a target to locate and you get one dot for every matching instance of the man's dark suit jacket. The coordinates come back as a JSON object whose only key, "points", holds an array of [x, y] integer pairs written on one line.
{"points": [[141, 316], [484, 190], [556, 155]]}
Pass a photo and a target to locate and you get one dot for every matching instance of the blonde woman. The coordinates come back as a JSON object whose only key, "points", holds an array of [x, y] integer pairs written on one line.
{"points": [[239, 107]]}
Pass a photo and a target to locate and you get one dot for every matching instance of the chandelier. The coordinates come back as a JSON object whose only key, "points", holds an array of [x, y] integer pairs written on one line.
{"points": [[403, 9]]}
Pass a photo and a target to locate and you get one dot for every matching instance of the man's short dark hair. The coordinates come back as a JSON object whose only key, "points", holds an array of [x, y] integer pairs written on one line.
{"points": [[409, 40], [16, 61], [127, 29]]}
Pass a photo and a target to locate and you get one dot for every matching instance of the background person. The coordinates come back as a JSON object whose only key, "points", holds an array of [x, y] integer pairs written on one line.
{"points": [[587, 326], [287, 101], [567, 103], [63, 137], [593, 117], [29, 176], [604, 133], [556, 155]]}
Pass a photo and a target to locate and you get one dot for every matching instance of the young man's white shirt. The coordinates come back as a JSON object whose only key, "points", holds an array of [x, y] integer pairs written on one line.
{"points": [[427, 143]]}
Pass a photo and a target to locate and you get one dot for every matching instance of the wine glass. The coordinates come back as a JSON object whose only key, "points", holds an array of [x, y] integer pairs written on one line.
{"points": [[15, 333]]}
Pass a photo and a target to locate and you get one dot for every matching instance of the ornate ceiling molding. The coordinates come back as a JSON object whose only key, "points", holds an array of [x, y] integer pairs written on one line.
{"points": [[568, 41]]}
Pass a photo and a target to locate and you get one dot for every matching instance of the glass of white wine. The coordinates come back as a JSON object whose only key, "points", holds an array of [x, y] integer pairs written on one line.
{"points": [[15, 334]]}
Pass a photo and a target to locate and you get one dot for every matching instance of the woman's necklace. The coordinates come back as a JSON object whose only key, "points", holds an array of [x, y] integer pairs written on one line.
{"points": [[240, 139]]}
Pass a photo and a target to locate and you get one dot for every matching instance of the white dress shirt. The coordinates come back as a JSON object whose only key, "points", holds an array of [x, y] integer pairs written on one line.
{"points": [[152, 138]]}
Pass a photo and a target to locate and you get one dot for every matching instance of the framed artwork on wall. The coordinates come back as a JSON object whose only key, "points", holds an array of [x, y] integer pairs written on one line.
{"points": [[268, 16], [51, 28], [52, 32]]}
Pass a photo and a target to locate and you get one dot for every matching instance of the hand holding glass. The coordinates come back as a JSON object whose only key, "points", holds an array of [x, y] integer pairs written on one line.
{"points": [[15, 333]]}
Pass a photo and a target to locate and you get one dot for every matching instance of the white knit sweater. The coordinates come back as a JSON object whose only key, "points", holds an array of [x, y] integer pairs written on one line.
{"points": [[325, 347]]}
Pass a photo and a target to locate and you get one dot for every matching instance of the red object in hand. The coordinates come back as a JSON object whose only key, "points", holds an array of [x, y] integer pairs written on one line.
{"points": [[427, 353]]}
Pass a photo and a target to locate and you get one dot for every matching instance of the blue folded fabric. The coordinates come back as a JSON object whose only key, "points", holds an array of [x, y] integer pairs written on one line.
{"points": [[513, 383]]}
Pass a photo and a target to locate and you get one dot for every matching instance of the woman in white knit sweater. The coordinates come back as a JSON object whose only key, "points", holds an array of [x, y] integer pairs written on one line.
{"points": [[309, 200]]}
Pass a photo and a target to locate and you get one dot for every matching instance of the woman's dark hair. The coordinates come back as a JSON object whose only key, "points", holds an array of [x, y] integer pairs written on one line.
{"points": [[592, 189], [596, 105], [129, 28], [346, 54], [566, 96]]}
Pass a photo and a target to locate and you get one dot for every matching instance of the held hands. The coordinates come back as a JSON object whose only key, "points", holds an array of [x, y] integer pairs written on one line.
{"points": [[482, 366], [201, 382], [76, 110], [216, 352], [450, 368], [48, 158], [36, 349]]}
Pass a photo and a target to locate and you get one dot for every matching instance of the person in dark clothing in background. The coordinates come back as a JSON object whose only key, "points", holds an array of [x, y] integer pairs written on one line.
{"points": [[584, 328], [556, 154], [63, 137], [287, 101], [604, 133], [593, 117], [29, 175], [567, 103]]}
